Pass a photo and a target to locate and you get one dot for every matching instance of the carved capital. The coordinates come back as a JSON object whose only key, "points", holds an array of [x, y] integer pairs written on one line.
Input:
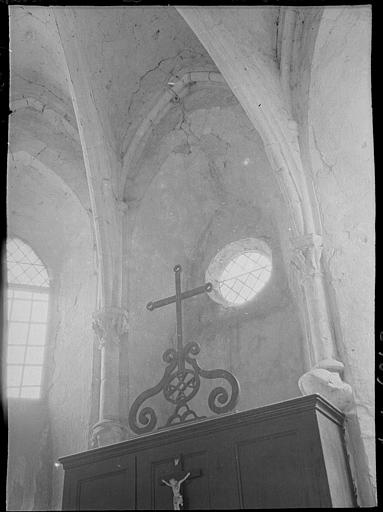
{"points": [[306, 257], [324, 378], [110, 324], [107, 432]]}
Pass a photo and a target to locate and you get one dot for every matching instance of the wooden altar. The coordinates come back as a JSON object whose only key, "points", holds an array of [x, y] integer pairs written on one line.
{"points": [[284, 455]]}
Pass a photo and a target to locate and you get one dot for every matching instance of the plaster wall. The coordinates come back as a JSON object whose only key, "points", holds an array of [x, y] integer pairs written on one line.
{"points": [[45, 136], [202, 181], [148, 46], [46, 213], [37, 65], [211, 185], [340, 138], [39, 209], [28, 476], [70, 393]]}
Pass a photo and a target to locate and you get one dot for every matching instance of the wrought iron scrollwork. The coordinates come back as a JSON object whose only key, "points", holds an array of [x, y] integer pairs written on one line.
{"points": [[226, 401], [182, 376], [179, 385]]}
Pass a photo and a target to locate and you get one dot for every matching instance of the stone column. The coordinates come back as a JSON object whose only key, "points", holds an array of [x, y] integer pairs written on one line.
{"points": [[324, 375], [110, 324]]}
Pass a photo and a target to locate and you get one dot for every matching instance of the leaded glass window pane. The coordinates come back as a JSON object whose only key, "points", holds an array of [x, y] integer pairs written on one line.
{"points": [[24, 266], [27, 305], [244, 276]]}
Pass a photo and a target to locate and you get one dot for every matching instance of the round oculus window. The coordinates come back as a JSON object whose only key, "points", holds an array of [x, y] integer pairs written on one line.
{"points": [[239, 271]]}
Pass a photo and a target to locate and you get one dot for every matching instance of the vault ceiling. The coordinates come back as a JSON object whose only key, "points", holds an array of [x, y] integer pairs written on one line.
{"points": [[131, 53]]}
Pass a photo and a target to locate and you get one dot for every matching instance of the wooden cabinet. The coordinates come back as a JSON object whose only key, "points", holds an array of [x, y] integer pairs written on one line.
{"points": [[284, 455]]}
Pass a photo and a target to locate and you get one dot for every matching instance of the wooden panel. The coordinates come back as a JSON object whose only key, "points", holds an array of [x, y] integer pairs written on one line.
{"points": [[107, 486], [335, 459], [270, 473], [279, 456], [315, 485], [69, 492], [223, 482], [103, 492], [153, 465], [195, 491]]}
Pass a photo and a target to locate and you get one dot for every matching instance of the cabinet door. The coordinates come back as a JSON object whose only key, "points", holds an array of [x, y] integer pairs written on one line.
{"points": [[105, 485], [201, 457], [279, 465]]}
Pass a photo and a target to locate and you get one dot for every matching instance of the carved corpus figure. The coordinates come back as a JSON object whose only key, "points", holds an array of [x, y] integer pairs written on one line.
{"points": [[178, 500]]}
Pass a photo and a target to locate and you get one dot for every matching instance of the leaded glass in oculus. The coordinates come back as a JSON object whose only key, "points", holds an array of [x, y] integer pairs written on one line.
{"points": [[244, 276]]}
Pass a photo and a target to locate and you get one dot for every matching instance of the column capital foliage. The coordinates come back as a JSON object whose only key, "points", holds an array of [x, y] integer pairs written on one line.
{"points": [[110, 324]]}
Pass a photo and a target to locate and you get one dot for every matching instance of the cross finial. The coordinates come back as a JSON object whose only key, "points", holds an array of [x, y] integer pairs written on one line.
{"points": [[178, 298], [180, 383]]}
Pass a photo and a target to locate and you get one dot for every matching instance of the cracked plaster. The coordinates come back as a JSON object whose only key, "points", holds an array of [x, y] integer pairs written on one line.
{"points": [[35, 198], [148, 46], [44, 212], [48, 142], [210, 185], [37, 65], [71, 382], [340, 145]]}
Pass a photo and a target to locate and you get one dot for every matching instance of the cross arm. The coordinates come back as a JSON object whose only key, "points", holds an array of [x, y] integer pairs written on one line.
{"points": [[207, 287]]}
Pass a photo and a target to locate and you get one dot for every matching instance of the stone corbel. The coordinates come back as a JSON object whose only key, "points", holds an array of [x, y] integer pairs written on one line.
{"points": [[325, 379], [109, 325]]}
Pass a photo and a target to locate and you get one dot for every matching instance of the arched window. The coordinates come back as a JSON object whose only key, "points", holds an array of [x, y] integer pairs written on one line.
{"points": [[27, 301]]}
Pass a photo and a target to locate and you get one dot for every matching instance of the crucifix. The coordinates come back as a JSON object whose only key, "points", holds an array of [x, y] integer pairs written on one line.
{"points": [[176, 478], [181, 383]]}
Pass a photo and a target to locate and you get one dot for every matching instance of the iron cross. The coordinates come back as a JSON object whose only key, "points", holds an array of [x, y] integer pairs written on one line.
{"points": [[178, 298], [182, 378]]}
